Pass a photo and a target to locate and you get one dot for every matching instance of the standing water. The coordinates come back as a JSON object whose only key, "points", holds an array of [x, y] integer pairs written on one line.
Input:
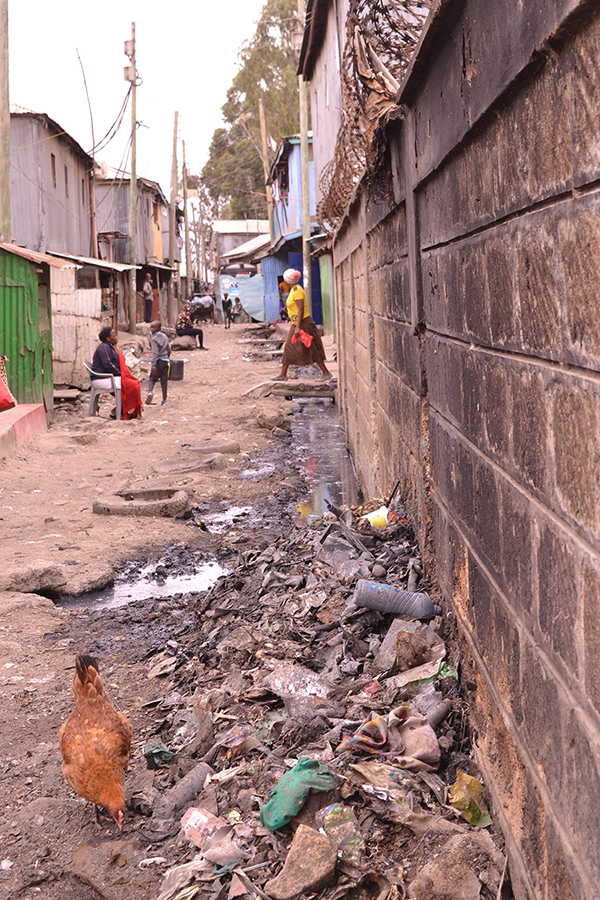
{"points": [[320, 449]]}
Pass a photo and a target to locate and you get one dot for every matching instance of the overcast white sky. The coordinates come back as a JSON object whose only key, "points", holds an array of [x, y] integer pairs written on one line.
{"points": [[186, 55]]}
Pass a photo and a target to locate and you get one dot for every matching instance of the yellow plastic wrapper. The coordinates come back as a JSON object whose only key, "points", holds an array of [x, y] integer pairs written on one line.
{"points": [[465, 796]]}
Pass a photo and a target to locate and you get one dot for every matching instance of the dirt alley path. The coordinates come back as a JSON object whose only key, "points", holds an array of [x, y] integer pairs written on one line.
{"points": [[53, 544]]}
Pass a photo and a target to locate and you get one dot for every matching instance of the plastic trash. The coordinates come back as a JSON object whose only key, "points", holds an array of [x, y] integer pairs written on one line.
{"points": [[157, 753], [465, 796], [340, 825], [380, 518], [389, 599], [291, 792]]}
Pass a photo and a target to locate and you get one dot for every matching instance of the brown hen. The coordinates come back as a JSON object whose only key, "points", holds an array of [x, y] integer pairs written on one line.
{"points": [[95, 743]]}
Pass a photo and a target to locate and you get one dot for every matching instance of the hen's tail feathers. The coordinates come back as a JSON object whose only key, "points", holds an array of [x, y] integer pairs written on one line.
{"points": [[87, 681]]}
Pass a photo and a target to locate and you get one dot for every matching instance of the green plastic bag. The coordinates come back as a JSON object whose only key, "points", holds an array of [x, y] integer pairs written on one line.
{"points": [[292, 791]]}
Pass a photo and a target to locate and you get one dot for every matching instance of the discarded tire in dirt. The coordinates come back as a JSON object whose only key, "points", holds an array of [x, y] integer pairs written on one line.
{"points": [[166, 502]]}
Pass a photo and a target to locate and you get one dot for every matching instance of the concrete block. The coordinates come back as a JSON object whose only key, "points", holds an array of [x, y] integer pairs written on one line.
{"points": [[477, 317], [500, 271], [591, 631], [579, 241], [387, 241], [536, 280], [543, 716], [516, 547], [530, 426], [487, 514], [576, 439], [559, 603], [582, 801], [496, 408], [18, 425], [584, 51]]}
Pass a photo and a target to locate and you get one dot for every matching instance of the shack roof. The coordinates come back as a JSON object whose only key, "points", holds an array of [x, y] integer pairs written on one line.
{"points": [[246, 250], [144, 182], [16, 110], [240, 226], [35, 257], [315, 28], [90, 261], [283, 150]]}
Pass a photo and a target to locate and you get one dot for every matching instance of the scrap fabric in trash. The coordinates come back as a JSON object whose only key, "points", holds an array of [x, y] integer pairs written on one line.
{"points": [[404, 737]]}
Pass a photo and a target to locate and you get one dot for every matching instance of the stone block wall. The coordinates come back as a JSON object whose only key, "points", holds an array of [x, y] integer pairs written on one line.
{"points": [[469, 314]]}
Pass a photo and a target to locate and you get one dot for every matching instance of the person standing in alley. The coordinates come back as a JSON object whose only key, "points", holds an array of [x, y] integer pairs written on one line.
{"points": [[159, 367], [227, 310], [303, 344], [148, 295], [185, 326]]}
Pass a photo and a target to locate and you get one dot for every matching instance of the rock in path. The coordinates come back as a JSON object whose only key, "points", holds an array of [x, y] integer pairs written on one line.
{"points": [[310, 864]]}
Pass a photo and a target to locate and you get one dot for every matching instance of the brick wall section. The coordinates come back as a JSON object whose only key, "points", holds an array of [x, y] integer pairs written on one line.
{"points": [[470, 370]]}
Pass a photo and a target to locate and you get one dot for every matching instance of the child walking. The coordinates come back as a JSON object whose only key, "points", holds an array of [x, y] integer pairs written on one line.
{"points": [[159, 367]]}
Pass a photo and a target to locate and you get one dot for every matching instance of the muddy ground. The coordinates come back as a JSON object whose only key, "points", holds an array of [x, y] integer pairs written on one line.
{"points": [[54, 545]]}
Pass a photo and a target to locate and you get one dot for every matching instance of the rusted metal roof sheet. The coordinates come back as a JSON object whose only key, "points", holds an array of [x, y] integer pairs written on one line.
{"points": [[35, 257], [100, 263]]}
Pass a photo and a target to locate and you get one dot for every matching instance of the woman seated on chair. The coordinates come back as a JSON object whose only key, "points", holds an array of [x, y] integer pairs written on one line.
{"points": [[110, 361]]}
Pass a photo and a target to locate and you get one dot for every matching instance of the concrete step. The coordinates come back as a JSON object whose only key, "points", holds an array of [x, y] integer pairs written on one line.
{"points": [[18, 425]]}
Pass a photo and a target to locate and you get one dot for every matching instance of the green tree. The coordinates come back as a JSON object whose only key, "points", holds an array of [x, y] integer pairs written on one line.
{"points": [[233, 175]]}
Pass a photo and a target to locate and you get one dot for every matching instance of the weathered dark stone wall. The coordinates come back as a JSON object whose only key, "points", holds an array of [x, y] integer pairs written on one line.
{"points": [[470, 360]]}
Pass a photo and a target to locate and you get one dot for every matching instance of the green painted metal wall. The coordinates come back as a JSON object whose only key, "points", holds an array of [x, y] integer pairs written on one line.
{"points": [[25, 331], [327, 293]]}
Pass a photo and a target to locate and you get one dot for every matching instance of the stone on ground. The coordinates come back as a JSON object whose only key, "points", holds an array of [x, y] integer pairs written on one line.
{"points": [[309, 865]]}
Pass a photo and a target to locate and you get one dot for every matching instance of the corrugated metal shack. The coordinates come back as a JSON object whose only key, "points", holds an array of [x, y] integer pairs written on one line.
{"points": [[50, 186], [152, 239], [83, 300], [26, 322]]}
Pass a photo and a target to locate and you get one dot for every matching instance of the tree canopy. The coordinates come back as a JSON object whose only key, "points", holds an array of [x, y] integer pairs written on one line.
{"points": [[233, 175]]}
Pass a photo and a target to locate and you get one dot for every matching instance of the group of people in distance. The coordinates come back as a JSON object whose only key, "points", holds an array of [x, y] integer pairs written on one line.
{"points": [[109, 361], [303, 347]]}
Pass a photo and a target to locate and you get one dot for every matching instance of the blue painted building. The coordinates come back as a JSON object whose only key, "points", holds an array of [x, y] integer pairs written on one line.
{"points": [[286, 251]]}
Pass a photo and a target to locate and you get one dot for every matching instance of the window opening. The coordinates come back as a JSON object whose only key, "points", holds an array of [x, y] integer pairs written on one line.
{"points": [[53, 168]]}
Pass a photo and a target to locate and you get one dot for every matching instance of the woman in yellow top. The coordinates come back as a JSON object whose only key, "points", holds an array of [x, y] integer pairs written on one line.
{"points": [[303, 331]]}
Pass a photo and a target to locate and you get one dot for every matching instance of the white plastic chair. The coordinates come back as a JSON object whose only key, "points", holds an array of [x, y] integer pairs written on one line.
{"points": [[95, 391]]}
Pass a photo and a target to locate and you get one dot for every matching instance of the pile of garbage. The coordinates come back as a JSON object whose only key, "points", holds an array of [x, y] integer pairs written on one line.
{"points": [[314, 740]]}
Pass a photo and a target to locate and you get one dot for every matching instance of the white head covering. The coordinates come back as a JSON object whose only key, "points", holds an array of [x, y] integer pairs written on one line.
{"points": [[292, 276]]}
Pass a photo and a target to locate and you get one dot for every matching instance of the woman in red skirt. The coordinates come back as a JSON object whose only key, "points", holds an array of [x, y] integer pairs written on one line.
{"points": [[303, 345]]}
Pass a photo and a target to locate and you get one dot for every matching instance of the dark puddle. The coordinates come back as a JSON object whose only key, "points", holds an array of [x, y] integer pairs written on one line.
{"points": [[150, 582], [317, 448], [320, 449]]}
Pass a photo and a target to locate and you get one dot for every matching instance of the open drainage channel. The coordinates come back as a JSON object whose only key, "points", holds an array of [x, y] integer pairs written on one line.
{"points": [[317, 443], [327, 466]]}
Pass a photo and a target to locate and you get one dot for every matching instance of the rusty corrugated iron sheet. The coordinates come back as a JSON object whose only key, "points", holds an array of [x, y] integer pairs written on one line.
{"points": [[25, 330]]}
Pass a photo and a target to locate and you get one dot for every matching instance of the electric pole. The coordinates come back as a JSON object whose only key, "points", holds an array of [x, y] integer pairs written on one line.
{"points": [[305, 178], [188, 249], [5, 212], [131, 76], [173, 197], [265, 155]]}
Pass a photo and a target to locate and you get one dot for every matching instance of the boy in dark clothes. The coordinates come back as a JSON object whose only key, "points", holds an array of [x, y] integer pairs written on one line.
{"points": [[159, 367]]}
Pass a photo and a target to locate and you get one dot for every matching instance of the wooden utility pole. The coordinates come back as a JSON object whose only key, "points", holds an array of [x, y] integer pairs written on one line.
{"points": [[173, 196], [188, 249], [305, 178], [265, 161], [131, 76], [5, 214]]}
